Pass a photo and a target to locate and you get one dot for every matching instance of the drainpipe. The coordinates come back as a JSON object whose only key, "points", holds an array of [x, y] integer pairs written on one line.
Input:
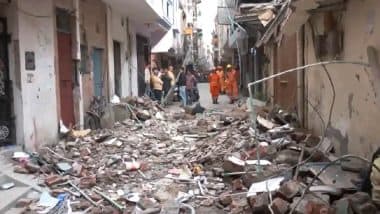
{"points": [[77, 58], [301, 78], [110, 56]]}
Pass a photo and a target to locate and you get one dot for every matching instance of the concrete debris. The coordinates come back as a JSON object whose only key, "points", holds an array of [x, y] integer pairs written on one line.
{"points": [[156, 160], [280, 206]]}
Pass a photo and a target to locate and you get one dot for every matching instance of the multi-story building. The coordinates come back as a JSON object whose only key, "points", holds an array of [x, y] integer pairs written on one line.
{"points": [[56, 55]]}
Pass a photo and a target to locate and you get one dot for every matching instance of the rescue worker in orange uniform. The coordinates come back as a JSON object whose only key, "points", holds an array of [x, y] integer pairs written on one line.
{"points": [[232, 84], [214, 80], [220, 72]]}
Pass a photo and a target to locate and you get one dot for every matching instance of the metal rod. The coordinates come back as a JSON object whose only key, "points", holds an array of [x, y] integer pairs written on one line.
{"points": [[306, 66], [117, 205], [300, 158], [83, 194]]}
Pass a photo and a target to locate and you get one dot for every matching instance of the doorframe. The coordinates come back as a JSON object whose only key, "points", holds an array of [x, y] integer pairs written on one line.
{"points": [[69, 31], [102, 73], [9, 123], [146, 57], [117, 58]]}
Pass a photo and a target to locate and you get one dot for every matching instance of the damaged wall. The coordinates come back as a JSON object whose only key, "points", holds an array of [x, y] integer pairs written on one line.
{"points": [[38, 88], [354, 125], [93, 35], [119, 31], [10, 12]]}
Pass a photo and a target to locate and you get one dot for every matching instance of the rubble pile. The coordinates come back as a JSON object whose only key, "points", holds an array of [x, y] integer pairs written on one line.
{"points": [[215, 162]]}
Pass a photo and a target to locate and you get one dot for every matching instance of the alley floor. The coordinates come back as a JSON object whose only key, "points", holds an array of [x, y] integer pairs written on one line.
{"points": [[206, 101], [170, 161]]}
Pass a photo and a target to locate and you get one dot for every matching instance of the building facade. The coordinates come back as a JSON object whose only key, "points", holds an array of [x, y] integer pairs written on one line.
{"points": [[57, 55], [290, 34]]}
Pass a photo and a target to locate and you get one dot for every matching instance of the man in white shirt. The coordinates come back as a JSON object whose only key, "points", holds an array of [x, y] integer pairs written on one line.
{"points": [[147, 80]]}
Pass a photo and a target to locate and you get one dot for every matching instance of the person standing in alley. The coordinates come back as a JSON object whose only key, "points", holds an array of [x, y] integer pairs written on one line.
{"points": [[171, 75], [182, 88], [167, 82], [157, 86], [147, 76], [220, 73], [232, 84], [190, 85], [214, 81]]}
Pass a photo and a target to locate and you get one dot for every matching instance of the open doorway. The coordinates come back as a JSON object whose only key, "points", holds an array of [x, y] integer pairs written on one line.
{"points": [[117, 67], [142, 58], [7, 127], [65, 66], [97, 61]]}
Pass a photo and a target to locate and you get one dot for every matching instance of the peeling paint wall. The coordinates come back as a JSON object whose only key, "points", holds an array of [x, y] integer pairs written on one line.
{"points": [[10, 12], [354, 125], [38, 89], [93, 35], [120, 31]]}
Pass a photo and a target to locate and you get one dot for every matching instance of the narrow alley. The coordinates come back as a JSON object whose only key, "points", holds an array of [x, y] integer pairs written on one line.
{"points": [[189, 106]]}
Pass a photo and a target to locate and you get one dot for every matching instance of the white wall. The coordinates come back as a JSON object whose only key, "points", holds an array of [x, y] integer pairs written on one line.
{"points": [[156, 5], [12, 21], [356, 114], [39, 94], [120, 27]]}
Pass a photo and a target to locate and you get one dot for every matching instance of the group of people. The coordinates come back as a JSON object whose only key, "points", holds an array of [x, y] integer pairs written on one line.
{"points": [[221, 82], [159, 82]]}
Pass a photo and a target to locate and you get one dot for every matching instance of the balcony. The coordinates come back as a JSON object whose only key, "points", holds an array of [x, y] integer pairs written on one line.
{"points": [[140, 11]]}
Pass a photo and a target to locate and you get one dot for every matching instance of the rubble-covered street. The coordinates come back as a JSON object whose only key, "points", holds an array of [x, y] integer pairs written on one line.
{"points": [[172, 161], [189, 107]]}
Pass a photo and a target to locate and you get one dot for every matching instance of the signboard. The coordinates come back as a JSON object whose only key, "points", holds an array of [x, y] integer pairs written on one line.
{"points": [[30, 62]]}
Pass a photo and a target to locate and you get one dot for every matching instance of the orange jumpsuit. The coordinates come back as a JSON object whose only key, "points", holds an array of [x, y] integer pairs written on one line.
{"points": [[232, 84], [220, 73], [214, 80]]}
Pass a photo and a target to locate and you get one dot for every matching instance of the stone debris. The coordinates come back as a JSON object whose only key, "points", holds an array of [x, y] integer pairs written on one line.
{"points": [[160, 161]]}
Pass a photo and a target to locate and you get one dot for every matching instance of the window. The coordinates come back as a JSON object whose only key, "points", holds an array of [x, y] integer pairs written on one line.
{"points": [[63, 20], [167, 9]]}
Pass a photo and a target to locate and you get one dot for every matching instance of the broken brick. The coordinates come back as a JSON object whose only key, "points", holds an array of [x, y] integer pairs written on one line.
{"points": [[310, 203], [85, 151], [56, 192], [21, 170], [280, 206], [233, 164], [289, 189], [95, 197], [317, 208], [55, 179], [23, 202], [87, 182], [239, 202], [146, 203], [361, 203], [31, 167], [237, 184], [207, 202], [225, 199], [259, 203]]}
